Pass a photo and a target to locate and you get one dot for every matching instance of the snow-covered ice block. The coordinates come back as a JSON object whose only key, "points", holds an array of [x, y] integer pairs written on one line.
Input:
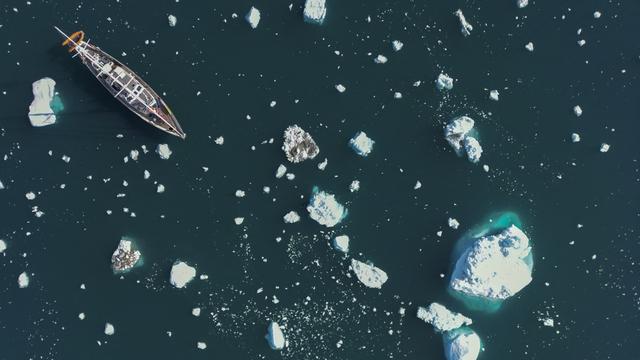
{"points": [[182, 274], [529, 46], [397, 45], [494, 266], [380, 59], [253, 17], [23, 280], [125, 256], [291, 217], [361, 143], [164, 151], [522, 3], [369, 275], [315, 11], [604, 147], [442, 318], [453, 223], [577, 110], [298, 145], [173, 20], [40, 112], [473, 149], [275, 337], [462, 344], [575, 137], [109, 329], [341, 243], [325, 209], [494, 95], [3, 246], [444, 82], [466, 28], [456, 131]]}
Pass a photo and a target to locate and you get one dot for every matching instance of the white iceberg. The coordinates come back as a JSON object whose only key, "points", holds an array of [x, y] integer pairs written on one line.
{"points": [[23, 280], [253, 17], [494, 95], [397, 45], [299, 145], [354, 186], [466, 28], [380, 59], [463, 344], [325, 209], [575, 137], [577, 110], [361, 143], [444, 82], [315, 11], [281, 171], [181, 274], [522, 3], [494, 266], [291, 217], [173, 20], [125, 256], [275, 337], [341, 243], [369, 275], [3, 246], [473, 149], [442, 318], [604, 147], [453, 223], [40, 112], [456, 131], [109, 329], [163, 151], [529, 46]]}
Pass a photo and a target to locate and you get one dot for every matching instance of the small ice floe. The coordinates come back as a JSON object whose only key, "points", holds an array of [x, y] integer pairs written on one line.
{"points": [[582, 42], [160, 189], [418, 185], [341, 88], [81, 316], [575, 137], [325, 209], [3, 246], [466, 28], [577, 110], [30, 195], [23, 280], [380, 59], [40, 112], [201, 345], [196, 311], [323, 165], [456, 133], [291, 217], [341, 243], [1, 186], [453, 223], [522, 3], [275, 337], [164, 151], [494, 95], [147, 174], [315, 11], [397, 95], [462, 344], [173, 20], [529, 46], [369, 275], [134, 154], [66, 158], [442, 318], [397, 45], [219, 140], [494, 266], [238, 220], [125, 256], [547, 322], [354, 186], [361, 143], [281, 171], [181, 274], [109, 329], [240, 193], [473, 149], [298, 145], [604, 147], [444, 82], [253, 17], [597, 15]]}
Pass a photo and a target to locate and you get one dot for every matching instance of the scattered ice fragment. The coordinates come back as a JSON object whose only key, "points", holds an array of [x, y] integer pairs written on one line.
{"points": [[147, 174], [485, 167], [299, 145], [133, 154], [160, 189], [253, 17], [462, 344], [324, 209], [444, 82], [281, 171], [418, 185], [397, 45], [3, 246], [341, 88], [30, 195], [354, 186], [164, 151], [575, 137], [23, 280], [195, 311], [315, 11], [582, 42], [341, 243], [529, 46], [125, 256], [597, 14], [369, 275], [181, 274], [1, 186], [172, 20], [522, 3], [380, 59], [494, 95], [456, 134], [291, 217], [238, 220], [219, 140], [81, 316], [442, 318], [109, 329], [323, 164], [604, 147], [66, 158], [397, 95], [361, 143], [275, 337], [290, 176], [240, 193], [40, 112], [577, 110], [201, 345], [494, 266], [548, 322], [473, 149], [466, 28], [453, 223]]}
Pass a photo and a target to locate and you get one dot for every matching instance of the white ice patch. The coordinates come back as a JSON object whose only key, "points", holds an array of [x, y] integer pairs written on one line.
{"points": [[315, 11], [40, 112], [577, 110], [494, 95], [397, 45], [172, 20], [369, 275], [325, 209], [575, 137], [109, 329], [522, 3], [253, 17], [529, 46], [341, 243], [181, 274], [23, 280], [361, 144], [281, 171], [380, 59], [465, 27], [164, 151], [3, 246], [453, 223], [456, 133], [444, 82], [462, 345], [291, 217], [473, 149], [354, 186], [442, 318], [275, 337], [604, 147], [298, 144]]}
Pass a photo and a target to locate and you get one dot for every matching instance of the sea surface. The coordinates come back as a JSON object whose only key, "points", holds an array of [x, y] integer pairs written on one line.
{"points": [[579, 206]]}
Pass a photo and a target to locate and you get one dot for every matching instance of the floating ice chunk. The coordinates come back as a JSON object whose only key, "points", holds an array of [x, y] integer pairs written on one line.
{"points": [[147, 174], [341, 88], [397, 45], [522, 3], [40, 112], [325, 209], [253, 17], [341, 243], [238, 220], [3, 246], [494, 266], [240, 193], [466, 28], [494, 95], [582, 42], [291, 217], [444, 82], [81, 316], [548, 322], [575, 137], [397, 95], [456, 131], [164, 151], [380, 59], [23, 280], [473, 149], [30, 195], [529, 46], [160, 189], [281, 171], [109, 329], [315, 11], [275, 337], [597, 14], [369, 275], [463, 344], [361, 143], [172, 20], [181, 274], [195, 312], [201, 345], [299, 145], [577, 110], [134, 154], [1, 186], [418, 185], [219, 140], [604, 147], [442, 318], [125, 256], [323, 164], [354, 186], [453, 223]]}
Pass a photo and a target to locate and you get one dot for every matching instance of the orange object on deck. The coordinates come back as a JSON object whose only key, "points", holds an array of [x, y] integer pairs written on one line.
{"points": [[74, 40]]}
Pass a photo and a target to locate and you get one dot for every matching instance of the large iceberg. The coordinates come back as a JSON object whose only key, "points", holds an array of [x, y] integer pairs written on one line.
{"points": [[182, 274], [275, 337], [457, 133], [361, 144], [125, 256], [40, 112], [299, 145], [442, 318], [315, 11], [369, 275], [462, 344], [494, 267], [325, 209]]}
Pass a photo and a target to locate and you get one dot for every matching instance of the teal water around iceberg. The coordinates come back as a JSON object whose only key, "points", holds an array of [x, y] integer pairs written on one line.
{"points": [[56, 104]]}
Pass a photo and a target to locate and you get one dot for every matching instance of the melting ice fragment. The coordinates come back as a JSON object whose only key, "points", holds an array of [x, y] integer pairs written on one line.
{"points": [[462, 344], [253, 17], [466, 28], [23, 280], [172, 20], [163, 151], [444, 82], [361, 143], [473, 149], [456, 133], [291, 217], [3, 246], [341, 243], [109, 329], [325, 209], [275, 337], [125, 256], [40, 112], [442, 318], [315, 11], [299, 145], [522, 3], [181, 274], [369, 275]]}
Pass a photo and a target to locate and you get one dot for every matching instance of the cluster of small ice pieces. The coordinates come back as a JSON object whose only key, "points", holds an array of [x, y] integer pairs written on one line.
{"points": [[253, 17], [275, 337], [494, 266], [456, 133], [315, 11], [325, 209], [466, 28], [442, 318], [361, 143], [181, 274], [444, 82], [124, 257], [40, 112], [369, 275], [299, 145]]}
